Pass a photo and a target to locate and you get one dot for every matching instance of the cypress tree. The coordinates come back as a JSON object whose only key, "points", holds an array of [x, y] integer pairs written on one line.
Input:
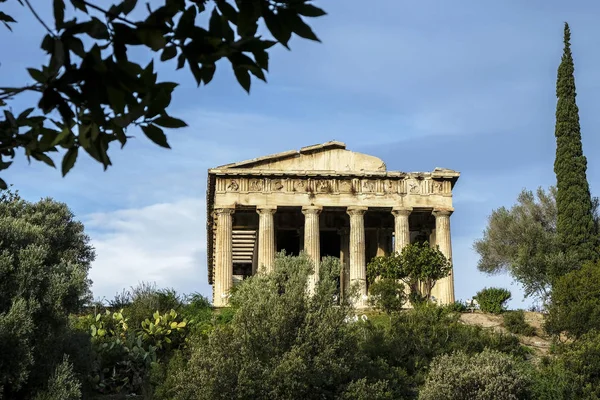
{"points": [[575, 224]]}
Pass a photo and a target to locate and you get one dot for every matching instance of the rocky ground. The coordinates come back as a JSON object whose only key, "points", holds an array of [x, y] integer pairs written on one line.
{"points": [[540, 343]]}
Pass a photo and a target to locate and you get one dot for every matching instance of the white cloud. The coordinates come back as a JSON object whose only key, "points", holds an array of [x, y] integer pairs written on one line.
{"points": [[163, 243]]}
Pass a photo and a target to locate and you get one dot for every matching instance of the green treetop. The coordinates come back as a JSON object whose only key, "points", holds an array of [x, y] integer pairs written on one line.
{"points": [[575, 224]]}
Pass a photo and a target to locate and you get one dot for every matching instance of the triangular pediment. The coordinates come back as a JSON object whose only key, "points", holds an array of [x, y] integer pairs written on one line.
{"points": [[330, 156]]}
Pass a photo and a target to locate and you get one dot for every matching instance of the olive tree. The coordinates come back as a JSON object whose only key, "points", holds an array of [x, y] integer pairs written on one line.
{"points": [[419, 266], [44, 261], [523, 241]]}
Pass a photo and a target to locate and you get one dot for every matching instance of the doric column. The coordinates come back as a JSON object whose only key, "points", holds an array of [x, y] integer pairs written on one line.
{"points": [[344, 260], [444, 288], [401, 227], [266, 238], [358, 267], [223, 257], [312, 242]]}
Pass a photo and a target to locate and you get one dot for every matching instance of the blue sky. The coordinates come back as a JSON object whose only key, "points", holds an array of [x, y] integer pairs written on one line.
{"points": [[467, 85]]}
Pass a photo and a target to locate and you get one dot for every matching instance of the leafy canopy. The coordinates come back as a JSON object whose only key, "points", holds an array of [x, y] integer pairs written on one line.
{"points": [[524, 242], [91, 91], [418, 265], [287, 345], [44, 261]]}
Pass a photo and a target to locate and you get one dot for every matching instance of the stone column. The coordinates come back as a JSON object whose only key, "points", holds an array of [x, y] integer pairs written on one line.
{"points": [[383, 242], [266, 238], [312, 242], [358, 267], [401, 228], [223, 257], [344, 260], [444, 288]]}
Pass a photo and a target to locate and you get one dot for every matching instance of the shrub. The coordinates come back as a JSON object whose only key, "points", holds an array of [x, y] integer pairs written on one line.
{"points": [[489, 375], [143, 300], [417, 336], [514, 321], [387, 295], [582, 359], [575, 305], [125, 355], [457, 306], [493, 300], [282, 344], [63, 385]]}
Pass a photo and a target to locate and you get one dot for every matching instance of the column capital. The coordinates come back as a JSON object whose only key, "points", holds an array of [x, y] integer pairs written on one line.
{"points": [[224, 210], [356, 210], [405, 211], [266, 209], [442, 212], [311, 210]]}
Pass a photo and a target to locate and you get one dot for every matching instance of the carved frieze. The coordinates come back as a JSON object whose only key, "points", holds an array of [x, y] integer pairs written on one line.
{"points": [[413, 186], [277, 185], [345, 186], [233, 186], [315, 186], [255, 185]]}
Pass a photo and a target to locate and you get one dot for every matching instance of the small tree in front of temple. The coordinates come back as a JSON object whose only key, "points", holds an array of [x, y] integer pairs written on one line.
{"points": [[419, 266]]}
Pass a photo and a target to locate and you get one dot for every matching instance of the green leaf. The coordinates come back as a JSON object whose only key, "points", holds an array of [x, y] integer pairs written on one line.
{"points": [[185, 26], [152, 38], [59, 13], [128, 6], [95, 29], [262, 59], [69, 160], [214, 25], [228, 11], [37, 75], [308, 10], [58, 56], [44, 158], [116, 99], [280, 31], [79, 4], [94, 330], [243, 77], [167, 121], [299, 27], [207, 72], [168, 53], [157, 135], [60, 137]]}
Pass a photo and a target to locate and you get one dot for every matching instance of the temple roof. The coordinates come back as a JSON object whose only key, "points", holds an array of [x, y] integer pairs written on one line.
{"points": [[329, 156]]}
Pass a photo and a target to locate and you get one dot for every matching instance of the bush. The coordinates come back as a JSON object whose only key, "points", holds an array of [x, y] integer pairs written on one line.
{"points": [[457, 306], [493, 300], [514, 321], [417, 336], [575, 305], [582, 359], [489, 375], [281, 344], [387, 295], [63, 385]]}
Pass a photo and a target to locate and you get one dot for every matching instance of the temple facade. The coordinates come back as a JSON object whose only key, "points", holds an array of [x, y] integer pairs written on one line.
{"points": [[323, 200]]}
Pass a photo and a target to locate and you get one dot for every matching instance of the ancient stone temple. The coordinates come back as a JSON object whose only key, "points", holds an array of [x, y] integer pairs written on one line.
{"points": [[326, 201]]}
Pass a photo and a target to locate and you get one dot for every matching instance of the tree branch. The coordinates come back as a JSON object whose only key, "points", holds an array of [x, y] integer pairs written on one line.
{"points": [[36, 15], [108, 13]]}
